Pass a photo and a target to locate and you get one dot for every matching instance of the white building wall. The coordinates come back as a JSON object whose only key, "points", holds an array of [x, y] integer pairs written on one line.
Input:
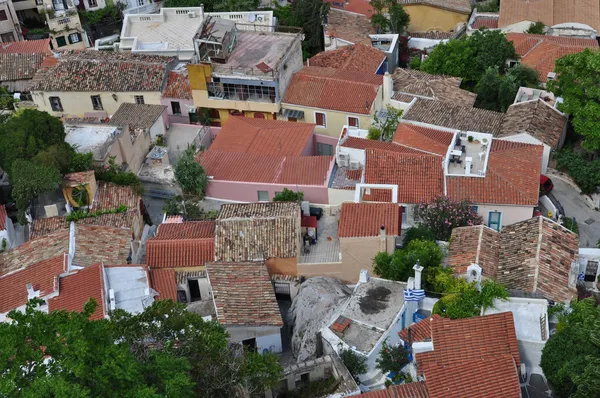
{"points": [[267, 337], [158, 128], [271, 342], [510, 214]]}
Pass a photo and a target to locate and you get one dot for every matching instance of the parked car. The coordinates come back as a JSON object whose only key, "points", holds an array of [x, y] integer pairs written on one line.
{"points": [[546, 185]]}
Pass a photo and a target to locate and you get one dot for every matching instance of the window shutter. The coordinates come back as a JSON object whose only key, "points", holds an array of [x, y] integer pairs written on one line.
{"points": [[320, 119]]}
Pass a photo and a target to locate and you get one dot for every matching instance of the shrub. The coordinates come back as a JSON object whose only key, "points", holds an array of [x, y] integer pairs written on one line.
{"points": [[443, 214], [374, 133], [287, 195], [190, 175], [462, 300], [420, 232], [399, 266], [355, 363], [490, 6], [391, 358], [415, 63], [585, 173], [536, 28]]}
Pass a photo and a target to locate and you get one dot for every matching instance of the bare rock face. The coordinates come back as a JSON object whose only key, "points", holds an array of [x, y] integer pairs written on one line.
{"points": [[318, 299]]}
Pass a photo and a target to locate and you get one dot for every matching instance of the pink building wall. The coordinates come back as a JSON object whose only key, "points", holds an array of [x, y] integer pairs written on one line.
{"points": [[183, 118]]}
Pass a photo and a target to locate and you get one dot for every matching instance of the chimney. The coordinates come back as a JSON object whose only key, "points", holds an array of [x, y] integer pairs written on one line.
{"points": [[388, 87], [202, 11], [382, 239], [71, 246], [418, 269], [364, 276]]}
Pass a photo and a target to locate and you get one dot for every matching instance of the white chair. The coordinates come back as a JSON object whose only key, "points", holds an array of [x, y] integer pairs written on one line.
{"points": [[481, 155]]}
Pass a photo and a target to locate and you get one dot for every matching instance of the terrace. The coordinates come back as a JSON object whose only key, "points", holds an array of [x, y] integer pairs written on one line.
{"points": [[327, 247], [468, 154]]}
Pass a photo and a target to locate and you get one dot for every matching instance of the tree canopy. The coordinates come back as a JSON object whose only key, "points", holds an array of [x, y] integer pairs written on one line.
{"points": [[190, 175], [165, 351], [577, 82], [497, 92], [310, 16], [29, 180], [287, 195], [389, 16], [442, 214], [399, 265]]}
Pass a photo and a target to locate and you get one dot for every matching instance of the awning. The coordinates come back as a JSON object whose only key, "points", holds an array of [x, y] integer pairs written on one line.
{"points": [[293, 113]]}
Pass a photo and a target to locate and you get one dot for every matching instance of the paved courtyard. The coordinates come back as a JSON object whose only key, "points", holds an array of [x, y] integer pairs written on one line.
{"points": [[327, 248]]}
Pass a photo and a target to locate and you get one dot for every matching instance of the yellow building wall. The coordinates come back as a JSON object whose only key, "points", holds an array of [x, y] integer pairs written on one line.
{"points": [[334, 120], [425, 18], [77, 103], [201, 100]]}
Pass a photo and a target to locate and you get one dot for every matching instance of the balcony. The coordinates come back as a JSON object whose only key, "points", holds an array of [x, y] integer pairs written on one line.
{"points": [[241, 92]]}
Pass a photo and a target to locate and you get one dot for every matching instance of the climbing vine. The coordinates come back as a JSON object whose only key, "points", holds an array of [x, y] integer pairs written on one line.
{"points": [[79, 214]]}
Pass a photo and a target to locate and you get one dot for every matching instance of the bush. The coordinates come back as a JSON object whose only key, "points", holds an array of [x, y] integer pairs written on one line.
{"points": [[420, 232], [112, 173], [399, 266], [536, 28], [374, 133], [490, 6], [586, 173], [391, 358], [571, 225], [443, 214], [462, 300], [355, 363], [287, 195], [415, 63], [190, 175]]}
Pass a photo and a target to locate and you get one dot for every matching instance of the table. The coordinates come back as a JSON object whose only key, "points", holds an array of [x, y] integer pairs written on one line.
{"points": [[456, 152]]}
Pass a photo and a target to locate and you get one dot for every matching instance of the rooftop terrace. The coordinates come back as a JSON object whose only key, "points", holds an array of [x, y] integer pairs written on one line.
{"points": [[468, 154], [93, 138]]}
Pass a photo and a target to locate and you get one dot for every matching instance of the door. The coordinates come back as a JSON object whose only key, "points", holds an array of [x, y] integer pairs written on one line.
{"points": [[282, 290], [494, 220], [591, 270], [250, 344], [194, 290]]}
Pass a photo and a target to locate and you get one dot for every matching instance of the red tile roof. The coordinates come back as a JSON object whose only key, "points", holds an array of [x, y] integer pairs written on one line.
{"points": [[110, 196], [485, 22], [366, 219], [426, 139], [263, 137], [45, 226], [416, 389], [76, 289], [349, 27], [333, 89], [243, 294], [419, 177], [540, 52], [43, 276], [353, 6], [178, 86], [186, 230], [420, 331], [80, 177], [164, 282], [179, 252], [15, 66], [358, 58], [297, 170], [2, 217], [41, 46], [550, 12], [365, 143]]}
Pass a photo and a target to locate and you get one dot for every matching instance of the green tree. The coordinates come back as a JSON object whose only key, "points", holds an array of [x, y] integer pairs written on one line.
{"points": [[399, 265], [487, 89], [420, 232], [391, 358], [387, 124], [577, 83], [285, 15], [536, 28], [287, 195], [208, 4], [415, 63], [571, 357], [310, 16], [442, 214], [507, 90], [462, 300], [235, 5], [490, 6], [81, 162], [59, 156], [355, 363], [190, 175], [453, 58], [30, 180], [389, 16], [497, 92]]}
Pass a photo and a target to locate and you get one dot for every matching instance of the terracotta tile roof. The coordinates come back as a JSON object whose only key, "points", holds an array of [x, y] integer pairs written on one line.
{"points": [[243, 294], [104, 71], [110, 196], [419, 177], [461, 6], [43, 276], [426, 139], [420, 331], [431, 35], [536, 256], [179, 252], [550, 12], [257, 231], [163, 281], [537, 118], [78, 178], [263, 137], [403, 97], [178, 86], [452, 116], [346, 10], [358, 58], [488, 22], [186, 230], [474, 245], [333, 89], [76, 290], [540, 52], [366, 219], [137, 116], [18, 66], [416, 389], [3, 216], [438, 87], [45, 226], [297, 170], [41, 46], [512, 176], [364, 143]]}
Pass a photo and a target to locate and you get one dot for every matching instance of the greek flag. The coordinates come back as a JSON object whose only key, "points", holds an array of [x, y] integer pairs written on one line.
{"points": [[414, 294]]}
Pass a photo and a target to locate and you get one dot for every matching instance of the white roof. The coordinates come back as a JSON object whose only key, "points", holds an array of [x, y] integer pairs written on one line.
{"points": [[130, 286]]}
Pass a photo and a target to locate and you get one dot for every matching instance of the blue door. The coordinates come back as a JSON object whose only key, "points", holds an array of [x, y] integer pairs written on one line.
{"points": [[494, 220]]}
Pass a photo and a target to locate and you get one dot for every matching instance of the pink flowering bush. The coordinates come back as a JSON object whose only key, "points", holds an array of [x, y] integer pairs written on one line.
{"points": [[443, 214]]}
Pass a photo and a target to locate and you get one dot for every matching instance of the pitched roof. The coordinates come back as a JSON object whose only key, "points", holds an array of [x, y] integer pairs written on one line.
{"points": [[186, 230], [485, 21], [365, 143], [420, 331], [137, 116], [273, 169], [243, 294], [77, 289], [418, 176], [435, 35], [357, 57], [511, 177], [104, 71], [19, 66], [263, 137], [550, 12], [186, 244], [3, 217], [431, 140], [461, 6], [477, 244], [366, 219], [110, 196], [346, 11], [257, 231], [163, 281], [78, 178], [540, 52], [438, 87], [45, 226], [333, 89], [41, 46], [537, 118], [43, 277], [416, 389], [452, 116], [178, 86]]}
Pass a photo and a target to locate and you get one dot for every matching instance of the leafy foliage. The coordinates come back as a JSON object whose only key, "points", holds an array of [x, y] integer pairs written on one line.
{"points": [[188, 208], [391, 358], [571, 225], [310, 16], [399, 265], [79, 214], [287, 195], [113, 173], [81, 162], [443, 214], [462, 300], [415, 63], [497, 92], [235, 5], [420, 232], [190, 175], [30, 180], [490, 6], [374, 133], [571, 357], [577, 83], [356, 363], [111, 13], [586, 173], [389, 16], [536, 28], [388, 125]]}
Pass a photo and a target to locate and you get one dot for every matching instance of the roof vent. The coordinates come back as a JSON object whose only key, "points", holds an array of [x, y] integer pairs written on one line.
{"points": [[192, 14], [551, 75]]}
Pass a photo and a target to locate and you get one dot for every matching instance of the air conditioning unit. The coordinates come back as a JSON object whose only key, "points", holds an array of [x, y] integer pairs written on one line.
{"points": [[343, 159], [354, 165], [551, 76], [260, 18], [192, 14]]}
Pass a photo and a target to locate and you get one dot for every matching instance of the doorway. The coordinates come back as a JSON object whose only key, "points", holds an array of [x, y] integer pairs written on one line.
{"points": [[194, 290]]}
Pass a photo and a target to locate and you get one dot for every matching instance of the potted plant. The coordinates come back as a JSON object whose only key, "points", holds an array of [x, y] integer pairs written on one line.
{"points": [[470, 138]]}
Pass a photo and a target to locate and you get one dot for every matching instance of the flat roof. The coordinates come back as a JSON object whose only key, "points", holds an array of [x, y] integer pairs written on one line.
{"points": [[91, 138], [130, 286]]}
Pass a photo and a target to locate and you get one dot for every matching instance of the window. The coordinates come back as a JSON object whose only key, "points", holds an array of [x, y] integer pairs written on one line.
{"points": [[92, 3], [74, 38], [6, 37], [176, 108], [324, 149], [194, 290], [495, 220], [21, 15], [61, 41], [3, 16], [320, 119], [55, 104], [475, 209], [97, 103], [263, 196], [139, 99], [140, 3], [353, 121], [259, 115], [250, 344]]}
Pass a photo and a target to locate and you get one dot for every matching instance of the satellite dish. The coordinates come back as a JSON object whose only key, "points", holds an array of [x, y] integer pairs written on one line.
{"points": [[251, 17]]}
